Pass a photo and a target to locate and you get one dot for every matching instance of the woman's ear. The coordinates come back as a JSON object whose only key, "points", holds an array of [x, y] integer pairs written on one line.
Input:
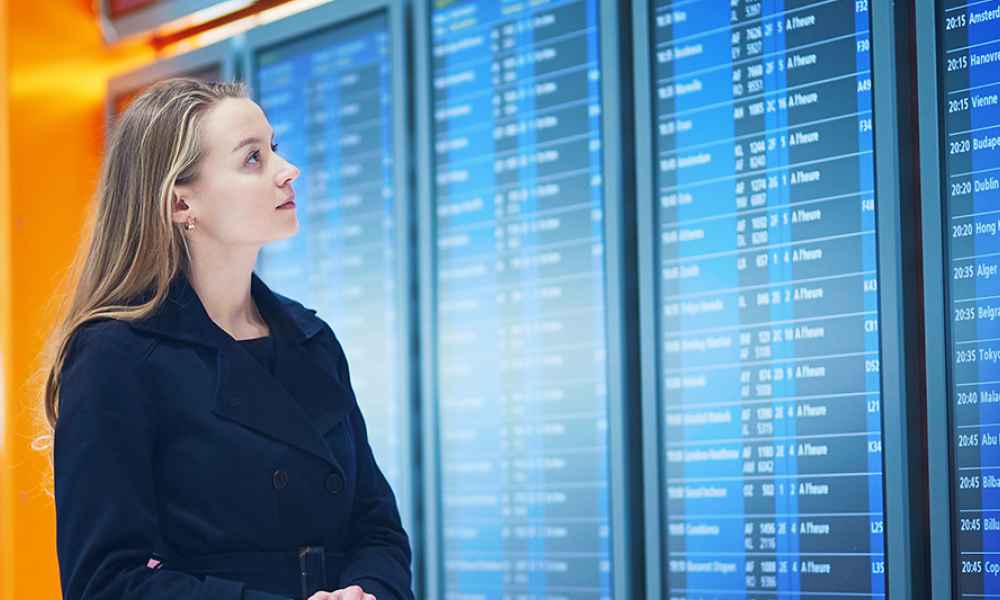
{"points": [[179, 208]]}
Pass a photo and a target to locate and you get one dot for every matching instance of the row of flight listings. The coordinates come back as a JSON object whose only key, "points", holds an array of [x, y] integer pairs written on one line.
{"points": [[762, 266]]}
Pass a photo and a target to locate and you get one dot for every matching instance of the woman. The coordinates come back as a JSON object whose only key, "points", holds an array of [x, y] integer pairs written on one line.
{"points": [[205, 429]]}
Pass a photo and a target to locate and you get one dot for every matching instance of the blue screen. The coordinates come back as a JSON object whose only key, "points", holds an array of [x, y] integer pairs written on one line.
{"points": [[970, 72], [329, 98], [767, 299], [521, 346]]}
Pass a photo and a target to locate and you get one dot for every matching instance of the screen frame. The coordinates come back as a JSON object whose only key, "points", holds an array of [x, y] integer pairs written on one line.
{"points": [[221, 55], [936, 318], [625, 513], [901, 307], [896, 233], [313, 21], [160, 13]]}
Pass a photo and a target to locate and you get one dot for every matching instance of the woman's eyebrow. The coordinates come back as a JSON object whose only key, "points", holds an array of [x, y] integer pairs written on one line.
{"points": [[251, 140]]}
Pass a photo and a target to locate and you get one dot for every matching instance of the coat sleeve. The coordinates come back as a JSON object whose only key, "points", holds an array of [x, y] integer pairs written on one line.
{"points": [[106, 518], [380, 558]]}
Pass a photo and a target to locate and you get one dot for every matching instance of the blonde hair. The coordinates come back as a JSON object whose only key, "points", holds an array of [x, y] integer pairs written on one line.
{"points": [[123, 269]]}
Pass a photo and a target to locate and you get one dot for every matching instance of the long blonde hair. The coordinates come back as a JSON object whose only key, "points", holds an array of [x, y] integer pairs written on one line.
{"points": [[123, 269]]}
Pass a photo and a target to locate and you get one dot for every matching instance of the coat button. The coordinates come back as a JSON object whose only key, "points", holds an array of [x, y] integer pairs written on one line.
{"points": [[279, 479], [334, 483]]}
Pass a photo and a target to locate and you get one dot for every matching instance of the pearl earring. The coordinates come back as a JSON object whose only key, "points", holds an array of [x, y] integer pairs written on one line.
{"points": [[190, 223]]}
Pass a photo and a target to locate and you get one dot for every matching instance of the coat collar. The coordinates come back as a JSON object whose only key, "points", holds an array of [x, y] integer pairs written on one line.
{"points": [[182, 315], [305, 397]]}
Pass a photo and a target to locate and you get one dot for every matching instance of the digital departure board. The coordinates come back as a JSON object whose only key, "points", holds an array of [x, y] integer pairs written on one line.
{"points": [[969, 61], [767, 299], [521, 347], [328, 96]]}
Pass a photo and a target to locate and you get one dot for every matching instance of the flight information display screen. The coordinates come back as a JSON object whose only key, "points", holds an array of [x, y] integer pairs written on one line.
{"points": [[768, 319], [969, 66], [329, 98], [521, 349]]}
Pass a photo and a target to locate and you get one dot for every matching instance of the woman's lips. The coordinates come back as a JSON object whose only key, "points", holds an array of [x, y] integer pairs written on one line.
{"points": [[289, 204]]}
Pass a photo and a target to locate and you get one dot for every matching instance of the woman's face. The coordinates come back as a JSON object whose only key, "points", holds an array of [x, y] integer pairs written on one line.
{"points": [[241, 181]]}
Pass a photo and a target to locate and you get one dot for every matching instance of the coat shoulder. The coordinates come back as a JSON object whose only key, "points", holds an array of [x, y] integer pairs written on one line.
{"points": [[109, 334], [102, 367]]}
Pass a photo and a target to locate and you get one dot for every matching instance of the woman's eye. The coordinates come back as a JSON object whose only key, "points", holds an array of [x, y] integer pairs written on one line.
{"points": [[256, 153]]}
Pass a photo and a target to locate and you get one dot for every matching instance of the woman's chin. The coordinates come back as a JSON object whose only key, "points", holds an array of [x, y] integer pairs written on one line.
{"points": [[288, 230]]}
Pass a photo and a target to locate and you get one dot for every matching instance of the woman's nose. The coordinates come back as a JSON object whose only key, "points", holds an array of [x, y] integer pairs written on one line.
{"points": [[289, 174]]}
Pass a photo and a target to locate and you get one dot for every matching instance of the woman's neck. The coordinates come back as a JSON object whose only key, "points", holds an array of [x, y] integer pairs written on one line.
{"points": [[224, 291]]}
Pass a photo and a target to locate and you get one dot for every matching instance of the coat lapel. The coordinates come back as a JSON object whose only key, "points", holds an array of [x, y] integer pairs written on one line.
{"points": [[301, 402]]}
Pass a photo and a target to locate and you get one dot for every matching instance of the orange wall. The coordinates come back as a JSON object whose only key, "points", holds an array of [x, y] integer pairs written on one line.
{"points": [[58, 66], [6, 540]]}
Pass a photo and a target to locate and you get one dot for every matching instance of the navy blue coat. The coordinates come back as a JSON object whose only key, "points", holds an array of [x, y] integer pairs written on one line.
{"points": [[185, 470]]}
